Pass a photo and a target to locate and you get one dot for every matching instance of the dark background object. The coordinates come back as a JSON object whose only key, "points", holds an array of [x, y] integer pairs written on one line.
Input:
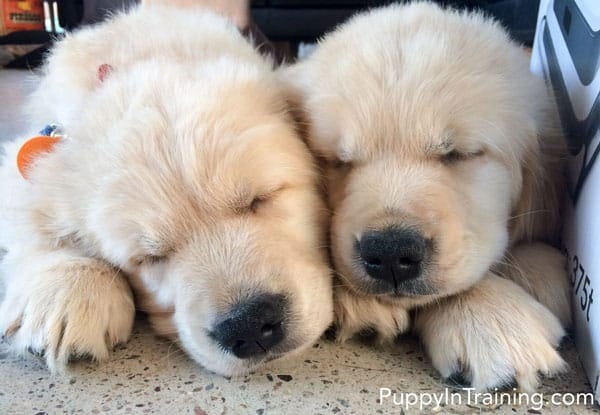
{"points": [[297, 20], [281, 20]]}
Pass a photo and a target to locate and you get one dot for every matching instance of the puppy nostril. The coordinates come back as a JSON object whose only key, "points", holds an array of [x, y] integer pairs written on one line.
{"points": [[239, 344], [408, 262], [270, 330], [374, 262], [266, 330]]}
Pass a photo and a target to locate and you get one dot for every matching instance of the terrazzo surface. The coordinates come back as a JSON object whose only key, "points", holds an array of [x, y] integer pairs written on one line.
{"points": [[151, 375]]}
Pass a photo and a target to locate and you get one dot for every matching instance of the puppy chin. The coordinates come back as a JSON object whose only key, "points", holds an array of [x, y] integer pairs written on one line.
{"points": [[414, 288], [231, 366], [213, 358], [228, 365], [411, 289], [363, 284]]}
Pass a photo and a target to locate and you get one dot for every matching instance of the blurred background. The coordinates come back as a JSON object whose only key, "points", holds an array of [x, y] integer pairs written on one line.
{"points": [[28, 27]]}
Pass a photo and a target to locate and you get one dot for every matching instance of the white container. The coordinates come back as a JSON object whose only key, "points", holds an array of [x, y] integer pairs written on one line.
{"points": [[566, 52]]}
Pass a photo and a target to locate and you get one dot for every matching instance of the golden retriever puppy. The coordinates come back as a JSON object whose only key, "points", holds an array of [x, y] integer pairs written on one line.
{"points": [[444, 179], [178, 172]]}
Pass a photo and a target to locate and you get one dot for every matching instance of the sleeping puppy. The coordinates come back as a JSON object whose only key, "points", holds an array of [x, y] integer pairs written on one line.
{"points": [[442, 157], [177, 172]]}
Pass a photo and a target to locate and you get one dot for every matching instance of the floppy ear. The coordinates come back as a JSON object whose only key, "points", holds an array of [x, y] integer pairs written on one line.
{"points": [[294, 101], [315, 114], [536, 216]]}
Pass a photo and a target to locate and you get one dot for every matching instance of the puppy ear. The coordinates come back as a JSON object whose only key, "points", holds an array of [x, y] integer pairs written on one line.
{"points": [[317, 127], [294, 101], [536, 215]]}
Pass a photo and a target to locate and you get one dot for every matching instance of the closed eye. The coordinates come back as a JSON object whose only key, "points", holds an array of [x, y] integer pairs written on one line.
{"points": [[257, 202], [155, 259], [339, 166], [150, 259], [456, 156]]}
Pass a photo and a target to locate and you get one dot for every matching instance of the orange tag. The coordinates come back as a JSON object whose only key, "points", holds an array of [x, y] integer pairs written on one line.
{"points": [[32, 149]]}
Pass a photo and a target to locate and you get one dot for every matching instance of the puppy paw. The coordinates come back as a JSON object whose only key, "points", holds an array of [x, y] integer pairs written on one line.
{"points": [[72, 310], [493, 335], [541, 270], [355, 314]]}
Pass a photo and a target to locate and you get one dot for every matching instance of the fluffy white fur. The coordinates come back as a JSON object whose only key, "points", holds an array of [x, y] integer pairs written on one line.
{"points": [[430, 119], [180, 175]]}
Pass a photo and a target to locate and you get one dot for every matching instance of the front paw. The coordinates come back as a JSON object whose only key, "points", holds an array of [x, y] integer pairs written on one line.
{"points": [[493, 334], [72, 310], [355, 314]]}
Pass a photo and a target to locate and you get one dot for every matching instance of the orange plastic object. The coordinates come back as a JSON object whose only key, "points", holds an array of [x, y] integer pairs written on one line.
{"points": [[21, 15], [32, 149]]}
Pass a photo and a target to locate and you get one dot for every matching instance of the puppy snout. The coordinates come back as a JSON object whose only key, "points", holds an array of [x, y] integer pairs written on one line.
{"points": [[393, 255], [254, 327]]}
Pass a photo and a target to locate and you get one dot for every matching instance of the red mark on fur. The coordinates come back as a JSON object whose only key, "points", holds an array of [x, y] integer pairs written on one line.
{"points": [[103, 71]]}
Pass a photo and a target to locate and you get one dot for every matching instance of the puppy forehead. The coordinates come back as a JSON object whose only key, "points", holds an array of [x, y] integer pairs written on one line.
{"points": [[419, 75], [256, 160], [211, 136], [412, 116], [364, 140]]}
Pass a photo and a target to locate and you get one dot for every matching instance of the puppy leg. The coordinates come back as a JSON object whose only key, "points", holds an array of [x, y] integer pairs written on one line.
{"points": [[541, 270], [61, 305], [354, 313], [493, 334]]}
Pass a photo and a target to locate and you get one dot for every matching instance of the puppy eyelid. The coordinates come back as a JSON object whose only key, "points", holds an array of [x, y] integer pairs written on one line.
{"points": [[262, 198], [256, 202], [341, 165], [454, 156], [154, 259], [150, 259]]}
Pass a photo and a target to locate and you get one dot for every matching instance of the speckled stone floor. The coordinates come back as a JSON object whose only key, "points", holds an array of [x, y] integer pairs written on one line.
{"points": [[150, 375]]}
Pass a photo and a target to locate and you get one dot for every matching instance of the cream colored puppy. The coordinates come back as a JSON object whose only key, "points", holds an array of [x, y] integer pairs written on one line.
{"points": [[444, 180], [178, 173]]}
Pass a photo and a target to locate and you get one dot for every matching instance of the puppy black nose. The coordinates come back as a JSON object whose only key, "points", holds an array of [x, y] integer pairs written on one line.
{"points": [[254, 327], [393, 254]]}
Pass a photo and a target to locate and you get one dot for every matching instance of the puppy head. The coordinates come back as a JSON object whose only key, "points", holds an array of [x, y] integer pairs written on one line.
{"points": [[426, 118], [201, 189]]}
